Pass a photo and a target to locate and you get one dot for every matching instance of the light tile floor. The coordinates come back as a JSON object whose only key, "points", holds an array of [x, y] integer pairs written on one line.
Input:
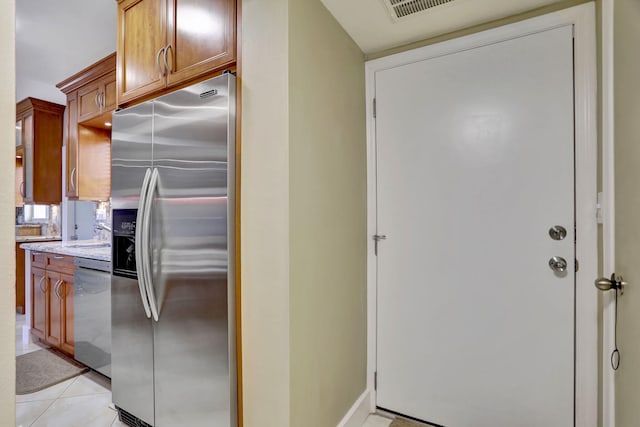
{"points": [[78, 402], [81, 401], [377, 421]]}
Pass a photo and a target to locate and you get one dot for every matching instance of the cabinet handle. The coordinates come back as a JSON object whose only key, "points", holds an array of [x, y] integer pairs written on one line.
{"points": [[158, 61], [22, 189], [97, 100], [166, 64], [57, 289], [72, 181], [58, 257], [40, 285]]}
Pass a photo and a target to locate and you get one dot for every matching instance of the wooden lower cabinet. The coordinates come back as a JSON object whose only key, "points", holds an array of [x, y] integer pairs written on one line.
{"points": [[38, 302], [54, 309], [52, 303], [66, 306], [20, 280]]}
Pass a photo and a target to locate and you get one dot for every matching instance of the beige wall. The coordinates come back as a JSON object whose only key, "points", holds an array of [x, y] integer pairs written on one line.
{"points": [[303, 216], [327, 171], [7, 216], [265, 213], [627, 205]]}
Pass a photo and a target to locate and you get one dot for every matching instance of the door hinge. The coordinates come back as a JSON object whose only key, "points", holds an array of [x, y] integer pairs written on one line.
{"points": [[374, 108], [599, 219], [577, 266], [376, 239], [375, 380]]}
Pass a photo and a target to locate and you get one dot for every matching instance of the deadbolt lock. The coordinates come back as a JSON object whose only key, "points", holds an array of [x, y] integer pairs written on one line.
{"points": [[557, 232], [558, 264]]}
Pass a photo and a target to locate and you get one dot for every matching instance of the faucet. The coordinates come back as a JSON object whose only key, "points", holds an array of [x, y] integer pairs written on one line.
{"points": [[103, 226]]}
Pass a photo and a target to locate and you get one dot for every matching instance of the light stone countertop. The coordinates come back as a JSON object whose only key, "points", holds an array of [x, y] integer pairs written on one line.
{"points": [[23, 239], [93, 249]]}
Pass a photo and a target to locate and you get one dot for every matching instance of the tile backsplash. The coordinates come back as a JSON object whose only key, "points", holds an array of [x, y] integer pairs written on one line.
{"points": [[89, 220], [102, 224], [47, 216]]}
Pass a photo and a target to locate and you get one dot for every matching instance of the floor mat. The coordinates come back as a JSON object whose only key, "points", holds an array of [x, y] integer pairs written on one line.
{"points": [[43, 368]]}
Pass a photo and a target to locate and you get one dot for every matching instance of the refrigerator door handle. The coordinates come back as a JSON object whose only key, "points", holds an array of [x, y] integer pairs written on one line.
{"points": [[139, 243], [146, 243]]}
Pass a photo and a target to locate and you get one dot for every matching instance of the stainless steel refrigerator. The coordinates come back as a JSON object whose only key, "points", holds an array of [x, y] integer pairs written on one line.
{"points": [[173, 300]]}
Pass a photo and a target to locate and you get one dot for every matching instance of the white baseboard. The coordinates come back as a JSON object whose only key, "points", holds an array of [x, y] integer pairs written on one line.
{"points": [[357, 415]]}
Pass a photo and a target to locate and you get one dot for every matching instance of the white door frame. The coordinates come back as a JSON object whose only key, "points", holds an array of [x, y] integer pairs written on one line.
{"points": [[607, 203], [583, 19]]}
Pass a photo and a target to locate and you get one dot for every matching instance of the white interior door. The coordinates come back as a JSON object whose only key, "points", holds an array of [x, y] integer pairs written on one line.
{"points": [[475, 163]]}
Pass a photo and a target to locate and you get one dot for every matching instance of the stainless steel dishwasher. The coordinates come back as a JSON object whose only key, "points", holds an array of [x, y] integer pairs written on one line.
{"points": [[92, 313]]}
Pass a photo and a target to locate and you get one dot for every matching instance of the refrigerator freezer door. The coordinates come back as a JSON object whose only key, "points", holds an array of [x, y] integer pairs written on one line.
{"points": [[132, 333], [131, 153], [193, 344]]}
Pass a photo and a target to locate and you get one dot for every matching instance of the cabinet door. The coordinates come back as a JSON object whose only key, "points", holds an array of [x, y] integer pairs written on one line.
{"points": [[141, 37], [89, 102], [109, 94], [67, 319], [38, 302], [18, 133], [72, 147], [20, 290], [19, 173], [201, 36], [54, 309], [28, 159]]}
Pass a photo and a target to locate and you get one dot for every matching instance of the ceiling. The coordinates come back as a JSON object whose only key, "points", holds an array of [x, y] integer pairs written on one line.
{"points": [[57, 38], [370, 25]]}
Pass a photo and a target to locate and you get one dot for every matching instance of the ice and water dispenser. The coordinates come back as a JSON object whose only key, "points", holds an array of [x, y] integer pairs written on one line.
{"points": [[124, 242]]}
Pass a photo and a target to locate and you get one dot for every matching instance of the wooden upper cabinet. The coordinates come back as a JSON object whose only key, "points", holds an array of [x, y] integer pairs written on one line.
{"points": [[97, 97], [72, 146], [109, 98], [202, 37], [41, 127], [167, 43], [19, 178], [91, 99], [141, 39]]}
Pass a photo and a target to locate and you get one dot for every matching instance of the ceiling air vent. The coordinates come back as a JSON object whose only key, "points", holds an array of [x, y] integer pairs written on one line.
{"points": [[403, 8]]}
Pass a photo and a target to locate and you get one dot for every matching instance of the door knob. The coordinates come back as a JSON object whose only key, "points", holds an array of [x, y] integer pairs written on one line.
{"points": [[558, 264], [557, 232], [615, 283]]}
